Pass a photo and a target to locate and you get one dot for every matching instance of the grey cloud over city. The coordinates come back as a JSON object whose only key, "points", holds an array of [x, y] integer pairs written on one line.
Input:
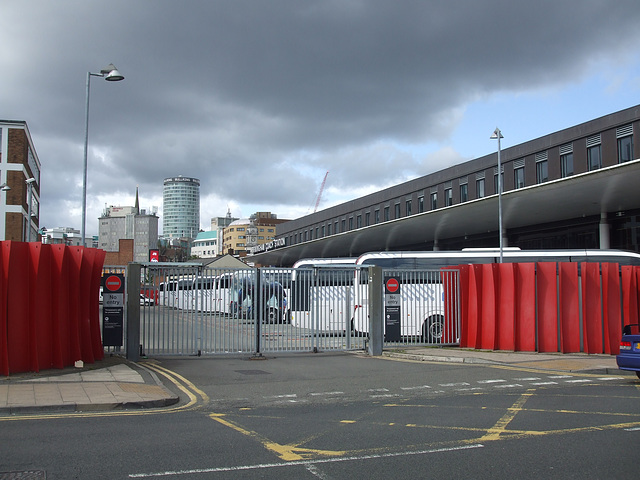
{"points": [[258, 99]]}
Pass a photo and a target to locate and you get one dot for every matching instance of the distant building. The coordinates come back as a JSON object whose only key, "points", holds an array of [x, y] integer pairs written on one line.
{"points": [[118, 223], [248, 233], [62, 235], [205, 245], [19, 183], [218, 224], [181, 207]]}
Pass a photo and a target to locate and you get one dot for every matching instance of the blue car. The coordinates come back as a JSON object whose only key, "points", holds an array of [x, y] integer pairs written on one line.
{"points": [[629, 357]]}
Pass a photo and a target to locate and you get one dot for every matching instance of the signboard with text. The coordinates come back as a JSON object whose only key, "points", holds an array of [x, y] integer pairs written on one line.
{"points": [[391, 309], [112, 309]]}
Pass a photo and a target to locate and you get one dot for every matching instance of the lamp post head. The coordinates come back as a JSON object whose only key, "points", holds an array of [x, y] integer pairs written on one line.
{"points": [[496, 134], [111, 73]]}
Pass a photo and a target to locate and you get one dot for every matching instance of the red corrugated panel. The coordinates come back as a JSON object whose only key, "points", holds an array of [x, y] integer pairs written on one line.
{"points": [[96, 279], [591, 308], [612, 309], [526, 307], [506, 320], [569, 308], [19, 338], [547, 287], [4, 350], [489, 310]]}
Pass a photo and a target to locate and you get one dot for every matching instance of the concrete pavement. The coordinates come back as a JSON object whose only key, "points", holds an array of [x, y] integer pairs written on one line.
{"points": [[109, 384], [115, 383]]}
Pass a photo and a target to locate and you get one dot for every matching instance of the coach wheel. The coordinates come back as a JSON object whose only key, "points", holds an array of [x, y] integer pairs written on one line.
{"points": [[272, 315], [432, 329]]}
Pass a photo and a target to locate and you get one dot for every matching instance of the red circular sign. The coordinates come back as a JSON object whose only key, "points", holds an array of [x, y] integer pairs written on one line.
{"points": [[392, 285], [113, 283]]}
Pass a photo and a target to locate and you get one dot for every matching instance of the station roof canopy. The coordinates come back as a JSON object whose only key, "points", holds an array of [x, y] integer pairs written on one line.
{"points": [[608, 190]]}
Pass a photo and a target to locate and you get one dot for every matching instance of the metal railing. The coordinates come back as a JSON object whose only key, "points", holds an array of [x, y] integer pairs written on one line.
{"points": [[195, 310]]}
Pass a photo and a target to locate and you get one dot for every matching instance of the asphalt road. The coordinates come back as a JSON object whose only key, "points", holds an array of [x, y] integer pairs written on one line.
{"points": [[339, 416]]}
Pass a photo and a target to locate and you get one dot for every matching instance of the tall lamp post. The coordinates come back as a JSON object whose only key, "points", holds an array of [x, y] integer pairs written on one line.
{"points": [[497, 134], [111, 74]]}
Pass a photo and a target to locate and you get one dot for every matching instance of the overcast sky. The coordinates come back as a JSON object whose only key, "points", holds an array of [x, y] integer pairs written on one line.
{"points": [[259, 99]]}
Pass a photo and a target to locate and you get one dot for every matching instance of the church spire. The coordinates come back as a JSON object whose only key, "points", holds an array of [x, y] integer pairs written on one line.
{"points": [[137, 205]]}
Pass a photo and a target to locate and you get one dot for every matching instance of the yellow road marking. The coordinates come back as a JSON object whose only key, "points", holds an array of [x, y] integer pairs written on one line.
{"points": [[288, 453]]}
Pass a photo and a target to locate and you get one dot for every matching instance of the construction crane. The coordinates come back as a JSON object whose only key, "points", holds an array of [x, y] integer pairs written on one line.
{"points": [[315, 208]]}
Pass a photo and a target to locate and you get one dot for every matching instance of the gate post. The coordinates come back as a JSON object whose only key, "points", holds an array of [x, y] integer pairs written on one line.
{"points": [[376, 325], [133, 312], [257, 307]]}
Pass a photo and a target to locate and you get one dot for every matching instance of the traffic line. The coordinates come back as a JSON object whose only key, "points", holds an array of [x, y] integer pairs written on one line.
{"points": [[305, 463]]}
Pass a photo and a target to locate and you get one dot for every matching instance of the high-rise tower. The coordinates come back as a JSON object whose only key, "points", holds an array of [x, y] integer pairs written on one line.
{"points": [[181, 207]]}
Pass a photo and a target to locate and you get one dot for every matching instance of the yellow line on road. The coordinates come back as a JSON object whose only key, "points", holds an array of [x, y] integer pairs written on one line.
{"points": [[288, 453]]}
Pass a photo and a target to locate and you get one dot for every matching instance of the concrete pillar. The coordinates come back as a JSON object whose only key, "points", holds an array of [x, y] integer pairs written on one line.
{"points": [[376, 317], [133, 311], [605, 238]]}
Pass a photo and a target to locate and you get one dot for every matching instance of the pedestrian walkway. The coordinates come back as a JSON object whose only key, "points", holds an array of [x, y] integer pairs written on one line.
{"points": [[122, 384], [571, 362]]}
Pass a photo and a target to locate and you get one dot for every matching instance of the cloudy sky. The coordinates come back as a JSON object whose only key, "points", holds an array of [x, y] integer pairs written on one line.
{"points": [[260, 98]]}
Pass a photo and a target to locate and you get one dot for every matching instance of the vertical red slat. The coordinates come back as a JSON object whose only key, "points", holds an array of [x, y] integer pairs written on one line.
{"points": [[591, 308], [629, 295], [41, 309], [547, 303], [96, 280], [4, 349], [569, 308], [464, 304], [506, 331], [18, 332], [526, 307], [612, 311], [86, 270], [75, 303], [489, 310], [60, 306], [474, 302]]}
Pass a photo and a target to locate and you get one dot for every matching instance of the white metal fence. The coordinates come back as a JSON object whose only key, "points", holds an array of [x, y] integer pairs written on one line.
{"points": [[193, 310]]}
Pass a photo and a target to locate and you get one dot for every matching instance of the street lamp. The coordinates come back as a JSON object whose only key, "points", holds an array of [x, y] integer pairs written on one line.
{"points": [[497, 134], [111, 74], [29, 182]]}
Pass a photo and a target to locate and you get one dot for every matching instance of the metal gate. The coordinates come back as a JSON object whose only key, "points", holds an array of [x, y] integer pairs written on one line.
{"points": [[188, 309]]}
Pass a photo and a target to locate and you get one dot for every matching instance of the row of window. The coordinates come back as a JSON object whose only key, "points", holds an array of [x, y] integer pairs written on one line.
{"points": [[594, 161]]}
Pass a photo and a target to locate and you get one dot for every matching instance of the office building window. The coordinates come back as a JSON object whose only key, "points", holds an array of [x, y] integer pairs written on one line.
{"points": [[518, 177], [335, 228], [420, 204], [359, 221], [625, 143], [464, 192], [566, 160], [386, 214], [396, 208], [367, 219], [448, 197], [434, 200], [350, 223], [407, 206], [376, 216], [594, 153], [542, 171], [480, 188], [344, 225], [328, 229], [594, 157]]}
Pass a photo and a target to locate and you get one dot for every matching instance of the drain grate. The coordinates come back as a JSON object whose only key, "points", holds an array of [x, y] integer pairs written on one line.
{"points": [[25, 475]]}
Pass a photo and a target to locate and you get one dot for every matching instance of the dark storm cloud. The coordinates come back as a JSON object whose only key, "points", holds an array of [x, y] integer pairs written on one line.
{"points": [[259, 98]]}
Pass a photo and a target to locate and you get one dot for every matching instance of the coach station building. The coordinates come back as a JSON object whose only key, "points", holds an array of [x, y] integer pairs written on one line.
{"points": [[575, 188]]}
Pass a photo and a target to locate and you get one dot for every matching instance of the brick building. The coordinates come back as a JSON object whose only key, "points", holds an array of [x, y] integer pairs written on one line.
{"points": [[19, 183]]}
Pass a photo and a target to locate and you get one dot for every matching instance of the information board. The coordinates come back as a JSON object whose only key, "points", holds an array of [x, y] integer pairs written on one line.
{"points": [[112, 309]]}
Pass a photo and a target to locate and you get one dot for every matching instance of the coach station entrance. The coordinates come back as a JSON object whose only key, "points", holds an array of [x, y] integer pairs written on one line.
{"points": [[193, 310]]}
